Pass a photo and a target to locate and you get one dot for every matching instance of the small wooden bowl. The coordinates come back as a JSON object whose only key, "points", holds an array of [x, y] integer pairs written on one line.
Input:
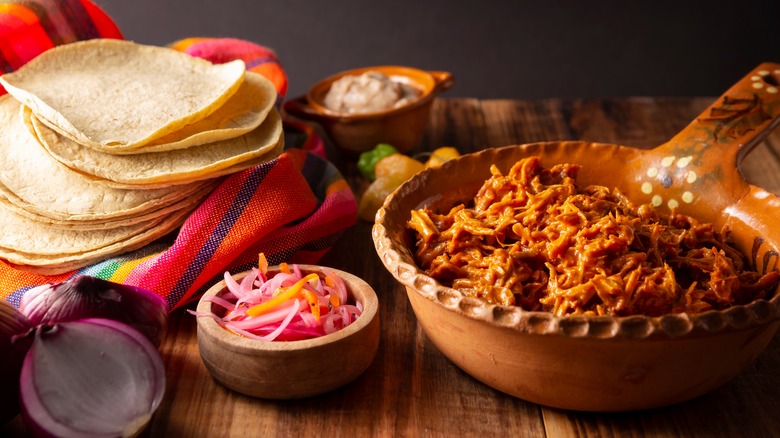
{"points": [[402, 127], [295, 369]]}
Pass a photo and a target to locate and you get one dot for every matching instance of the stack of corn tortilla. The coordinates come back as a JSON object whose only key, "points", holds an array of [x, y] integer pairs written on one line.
{"points": [[108, 145]]}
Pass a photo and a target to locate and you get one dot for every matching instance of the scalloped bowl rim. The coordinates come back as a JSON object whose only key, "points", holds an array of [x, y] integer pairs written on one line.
{"points": [[755, 313]]}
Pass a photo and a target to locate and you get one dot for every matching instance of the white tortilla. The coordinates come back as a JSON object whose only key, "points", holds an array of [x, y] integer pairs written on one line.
{"points": [[178, 165], [111, 94], [242, 113], [101, 244], [38, 183]]}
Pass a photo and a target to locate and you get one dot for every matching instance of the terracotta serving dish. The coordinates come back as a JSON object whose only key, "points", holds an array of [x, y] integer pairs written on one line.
{"points": [[610, 363], [295, 369], [402, 127]]}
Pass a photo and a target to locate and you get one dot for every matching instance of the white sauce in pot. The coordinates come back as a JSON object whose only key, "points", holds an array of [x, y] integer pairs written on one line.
{"points": [[369, 92]]}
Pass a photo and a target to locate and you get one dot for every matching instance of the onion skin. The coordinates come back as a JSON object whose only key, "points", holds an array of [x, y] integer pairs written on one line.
{"points": [[90, 297], [13, 347], [90, 378]]}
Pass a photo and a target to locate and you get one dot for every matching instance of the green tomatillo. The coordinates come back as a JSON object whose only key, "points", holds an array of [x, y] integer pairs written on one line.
{"points": [[367, 160]]}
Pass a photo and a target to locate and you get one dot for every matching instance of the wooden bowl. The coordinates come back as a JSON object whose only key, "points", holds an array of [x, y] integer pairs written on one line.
{"points": [[402, 127], [295, 369], [609, 363]]}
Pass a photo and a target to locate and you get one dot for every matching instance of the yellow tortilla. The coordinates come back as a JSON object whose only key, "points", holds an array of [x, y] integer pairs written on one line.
{"points": [[167, 167], [29, 237], [242, 113], [124, 240], [36, 214], [268, 156], [31, 179], [111, 94]]}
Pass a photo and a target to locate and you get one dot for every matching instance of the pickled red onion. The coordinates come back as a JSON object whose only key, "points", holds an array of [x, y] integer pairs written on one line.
{"points": [[287, 306]]}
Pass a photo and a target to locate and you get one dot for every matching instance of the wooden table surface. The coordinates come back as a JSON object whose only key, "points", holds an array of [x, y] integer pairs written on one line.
{"points": [[411, 389]]}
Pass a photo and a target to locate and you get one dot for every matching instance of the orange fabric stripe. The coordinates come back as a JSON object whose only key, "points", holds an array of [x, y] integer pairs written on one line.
{"points": [[20, 12], [183, 45]]}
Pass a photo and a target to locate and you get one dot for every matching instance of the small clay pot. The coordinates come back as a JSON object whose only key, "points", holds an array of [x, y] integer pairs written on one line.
{"points": [[403, 127]]}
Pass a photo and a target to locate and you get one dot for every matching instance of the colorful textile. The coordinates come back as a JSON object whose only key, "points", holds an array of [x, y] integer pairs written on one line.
{"points": [[292, 209], [300, 135], [258, 59], [29, 27]]}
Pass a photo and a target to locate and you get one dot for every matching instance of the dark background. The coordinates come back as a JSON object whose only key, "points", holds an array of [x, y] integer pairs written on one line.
{"points": [[495, 49]]}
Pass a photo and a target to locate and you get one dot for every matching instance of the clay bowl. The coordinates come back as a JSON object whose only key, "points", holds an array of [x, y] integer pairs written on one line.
{"points": [[290, 370], [610, 363], [403, 127]]}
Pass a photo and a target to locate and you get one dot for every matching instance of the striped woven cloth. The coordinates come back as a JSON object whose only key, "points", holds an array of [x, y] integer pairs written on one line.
{"points": [[258, 59], [29, 27], [292, 209]]}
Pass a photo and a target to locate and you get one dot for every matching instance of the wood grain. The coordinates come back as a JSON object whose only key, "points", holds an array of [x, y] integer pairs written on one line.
{"points": [[411, 389]]}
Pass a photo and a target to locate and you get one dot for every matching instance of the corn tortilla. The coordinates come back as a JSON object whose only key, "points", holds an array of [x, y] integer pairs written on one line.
{"points": [[50, 264], [267, 156], [242, 113], [160, 167], [36, 214], [19, 234], [109, 94], [38, 183]]}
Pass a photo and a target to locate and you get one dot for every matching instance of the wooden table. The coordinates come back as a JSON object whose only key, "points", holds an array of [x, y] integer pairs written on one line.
{"points": [[411, 389]]}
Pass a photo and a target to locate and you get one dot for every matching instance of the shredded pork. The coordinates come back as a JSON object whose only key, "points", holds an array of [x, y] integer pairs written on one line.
{"points": [[534, 240]]}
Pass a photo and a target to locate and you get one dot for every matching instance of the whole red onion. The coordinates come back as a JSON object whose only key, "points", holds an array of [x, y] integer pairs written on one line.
{"points": [[90, 297], [12, 350]]}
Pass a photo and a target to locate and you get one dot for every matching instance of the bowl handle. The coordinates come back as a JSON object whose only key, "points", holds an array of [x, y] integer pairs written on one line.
{"points": [[739, 120], [299, 107], [443, 80]]}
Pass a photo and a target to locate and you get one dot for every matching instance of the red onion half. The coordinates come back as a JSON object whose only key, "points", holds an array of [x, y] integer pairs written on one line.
{"points": [[12, 351], [90, 297], [90, 378]]}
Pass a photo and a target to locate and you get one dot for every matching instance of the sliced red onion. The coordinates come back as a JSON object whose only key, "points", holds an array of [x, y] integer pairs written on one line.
{"points": [[90, 378], [12, 350], [90, 297]]}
